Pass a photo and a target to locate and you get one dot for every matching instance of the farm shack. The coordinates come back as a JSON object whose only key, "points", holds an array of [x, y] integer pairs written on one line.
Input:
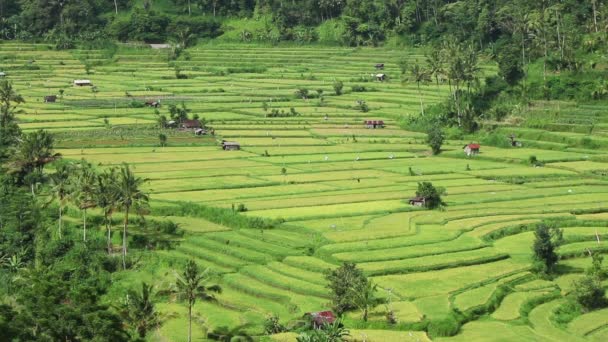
{"points": [[379, 66], [50, 98], [514, 143], [151, 103], [230, 145], [160, 46], [471, 149], [374, 124], [82, 83], [381, 77], [321, 318], [417, 201], [2, 74], [190, 124], [200, 131]]}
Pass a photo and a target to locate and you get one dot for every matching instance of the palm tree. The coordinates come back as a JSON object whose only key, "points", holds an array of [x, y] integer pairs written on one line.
{"points": [[419, 75], [190, 286], [61, 186], [434, 62], [106, 198], [34, 151], [139, 312], [129, 196], [84, 192], [364, 297]]}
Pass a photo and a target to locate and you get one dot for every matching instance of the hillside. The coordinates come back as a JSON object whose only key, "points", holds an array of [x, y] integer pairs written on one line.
{"points": [[338, 189]]}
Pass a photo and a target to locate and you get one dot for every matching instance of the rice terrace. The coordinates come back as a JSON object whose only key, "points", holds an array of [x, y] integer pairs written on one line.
{"points": [[314, 192]]}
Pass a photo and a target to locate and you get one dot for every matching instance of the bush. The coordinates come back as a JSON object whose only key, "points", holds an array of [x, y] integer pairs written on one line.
{"points": [[589, 293], [223, 216], [444, 328], [338, 86]]}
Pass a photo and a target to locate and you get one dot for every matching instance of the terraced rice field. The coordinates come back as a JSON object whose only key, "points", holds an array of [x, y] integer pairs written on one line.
{"points": [[341, 189]]}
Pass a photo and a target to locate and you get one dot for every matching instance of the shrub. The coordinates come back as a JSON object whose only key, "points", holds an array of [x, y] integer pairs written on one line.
{"points": [[358, 89], [338, 86], [446, 327]]}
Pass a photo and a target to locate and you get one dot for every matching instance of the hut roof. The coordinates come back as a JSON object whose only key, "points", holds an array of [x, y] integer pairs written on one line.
{"points": [[191, 124], [474, 146], [160, 46], [322, 317], [418, 199]]}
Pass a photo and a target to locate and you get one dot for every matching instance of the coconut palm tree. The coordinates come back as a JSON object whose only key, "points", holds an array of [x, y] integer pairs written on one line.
{"points": [[106, 198], [364, 297], [33, 152], [435, 62], [129, 196], [61, 188], [139, 312], [419, 75], [190, 286], [84, 192]]}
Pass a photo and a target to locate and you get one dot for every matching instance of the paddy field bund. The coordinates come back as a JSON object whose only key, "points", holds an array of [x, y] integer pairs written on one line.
{"points": [[343, 195]]}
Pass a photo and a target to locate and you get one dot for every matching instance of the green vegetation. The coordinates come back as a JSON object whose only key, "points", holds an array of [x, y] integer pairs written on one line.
{"points": [[106, 190]]}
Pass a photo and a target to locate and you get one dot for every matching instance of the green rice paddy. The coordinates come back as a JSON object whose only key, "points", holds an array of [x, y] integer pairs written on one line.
{"points": [[340, 189]]}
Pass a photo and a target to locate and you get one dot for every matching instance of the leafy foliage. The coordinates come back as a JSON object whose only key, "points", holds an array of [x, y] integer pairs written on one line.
{"points": [[435, 139], [546, 240], [343, 283], [431, 193]]}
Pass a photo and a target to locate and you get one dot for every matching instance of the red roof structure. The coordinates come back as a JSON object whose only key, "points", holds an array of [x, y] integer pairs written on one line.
{"points": [[474, 146], [319, 319]]}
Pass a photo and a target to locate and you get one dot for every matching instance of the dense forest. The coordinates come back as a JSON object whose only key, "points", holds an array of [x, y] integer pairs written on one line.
{"points": [[544, 24]]}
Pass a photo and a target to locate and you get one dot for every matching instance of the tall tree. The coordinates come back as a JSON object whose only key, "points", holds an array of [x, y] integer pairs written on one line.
{"points": [[435, 65], [129, 196], [190, 286], [419, 75], [546, 239], [84, 191], [61, 190], [106, 198], [9, 100]]}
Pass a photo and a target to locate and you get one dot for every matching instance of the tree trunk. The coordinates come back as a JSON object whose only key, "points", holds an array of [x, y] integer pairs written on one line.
{"points": [[84, 227], [559, 38], [420, 97], [523, 49], [593, 2], [109, 229], [190, 322], [365, 313], [60, 213], [124, 240], [116, 6], [189, 9]]}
